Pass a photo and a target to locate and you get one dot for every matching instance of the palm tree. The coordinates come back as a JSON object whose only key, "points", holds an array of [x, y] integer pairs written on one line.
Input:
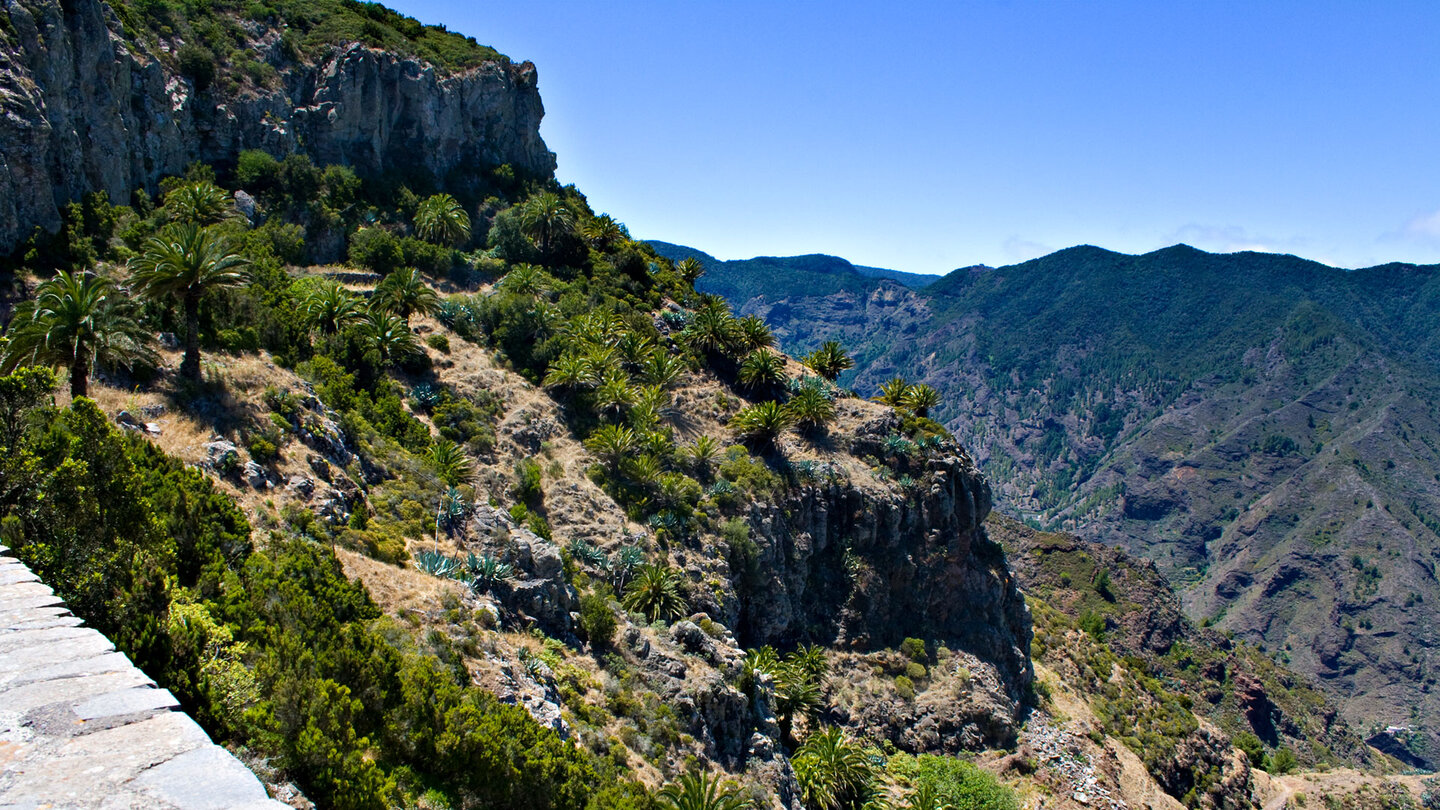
{"points": [[525, 280], [892, 392], [450, 462], [762, 370], [690, 269], [762, 424], [568, 373], [613, 394], [603, 232], [829, 360], [187, 262], [797, 694], [331, 307], [389, 336], [612, 443], [404, 293], [701, 792], [754, 334], [545, 218], [920, 398], [441, 220], [201, 203], [713, 331], [811, 408], [702, 454], [833, 772], [662, 368], [655, 592], [76, 320]]}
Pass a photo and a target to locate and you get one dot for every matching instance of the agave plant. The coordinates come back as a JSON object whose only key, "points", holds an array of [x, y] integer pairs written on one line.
{"points": [[437, 564], [655, 593], [453, 511], [701, 791], [588, 554], [486, 572], [627, 561], [425, 395]]}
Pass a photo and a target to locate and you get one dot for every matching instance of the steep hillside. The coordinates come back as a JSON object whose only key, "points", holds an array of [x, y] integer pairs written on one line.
{"points": [[1260, 426], [113, 96]]}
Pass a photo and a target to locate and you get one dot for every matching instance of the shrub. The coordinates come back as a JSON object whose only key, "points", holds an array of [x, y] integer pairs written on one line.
{"points": [[597, 620], [914, 649], [915, 670], [198, 64], [439, 343], [262, 449], [527, 488], [1282, 761], [375, 249], [904, 687], [962, 785]]}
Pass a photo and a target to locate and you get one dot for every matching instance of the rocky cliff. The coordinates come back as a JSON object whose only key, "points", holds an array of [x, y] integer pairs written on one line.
{"points": [[88, 106]]}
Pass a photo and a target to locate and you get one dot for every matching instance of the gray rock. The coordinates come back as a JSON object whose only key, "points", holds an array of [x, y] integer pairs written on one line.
{"points": [[255, 475], [90, 110], [301, 485], [245, 204]]}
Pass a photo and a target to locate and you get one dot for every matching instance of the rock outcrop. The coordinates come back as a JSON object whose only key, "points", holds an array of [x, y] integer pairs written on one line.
{"points": [[86, 108], [862, 568]]}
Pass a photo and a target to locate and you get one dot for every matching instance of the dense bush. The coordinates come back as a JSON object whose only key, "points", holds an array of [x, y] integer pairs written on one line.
{"points": [[273, 649]]}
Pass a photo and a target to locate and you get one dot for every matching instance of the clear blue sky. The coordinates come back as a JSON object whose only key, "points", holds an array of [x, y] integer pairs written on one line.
{"points": [[930, 135]]}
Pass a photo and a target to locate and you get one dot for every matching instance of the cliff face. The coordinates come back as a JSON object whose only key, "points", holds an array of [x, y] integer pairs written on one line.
{"points": [[85, 109], [860, 568]]}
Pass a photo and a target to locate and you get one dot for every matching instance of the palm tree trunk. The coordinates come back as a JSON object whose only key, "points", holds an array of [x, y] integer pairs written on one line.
{"points": [[79, 378], [190, 367]]}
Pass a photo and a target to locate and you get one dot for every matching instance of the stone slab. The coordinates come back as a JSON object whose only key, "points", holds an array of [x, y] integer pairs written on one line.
{"points": [[23, 603], [19, 590], [20, 639], [127, 701], [92, 665], [43, 621], [54, 653], [208, 778], [32, 696]]}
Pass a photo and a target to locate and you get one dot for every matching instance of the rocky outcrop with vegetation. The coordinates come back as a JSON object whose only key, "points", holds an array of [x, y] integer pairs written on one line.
{"points": [[113, 96], [1254, 424]]}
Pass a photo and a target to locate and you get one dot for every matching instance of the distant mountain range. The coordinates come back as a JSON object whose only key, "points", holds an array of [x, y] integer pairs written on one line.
{"points": [[1261, 426]]}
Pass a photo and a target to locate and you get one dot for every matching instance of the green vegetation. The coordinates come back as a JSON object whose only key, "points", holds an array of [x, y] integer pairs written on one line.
{"points": [[358, 711], [309, 28], [78, 321]]}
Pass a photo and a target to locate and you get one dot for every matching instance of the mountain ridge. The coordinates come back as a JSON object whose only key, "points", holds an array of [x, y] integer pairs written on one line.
{"points": [[1221, 414]]}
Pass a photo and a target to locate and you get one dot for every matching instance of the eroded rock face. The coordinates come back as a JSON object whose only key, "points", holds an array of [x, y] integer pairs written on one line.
{"points": [[864, 568], [85, 110]]}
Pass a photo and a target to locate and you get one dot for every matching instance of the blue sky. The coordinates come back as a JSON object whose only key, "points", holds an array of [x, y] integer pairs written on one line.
{"points": [[929, 136]]}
